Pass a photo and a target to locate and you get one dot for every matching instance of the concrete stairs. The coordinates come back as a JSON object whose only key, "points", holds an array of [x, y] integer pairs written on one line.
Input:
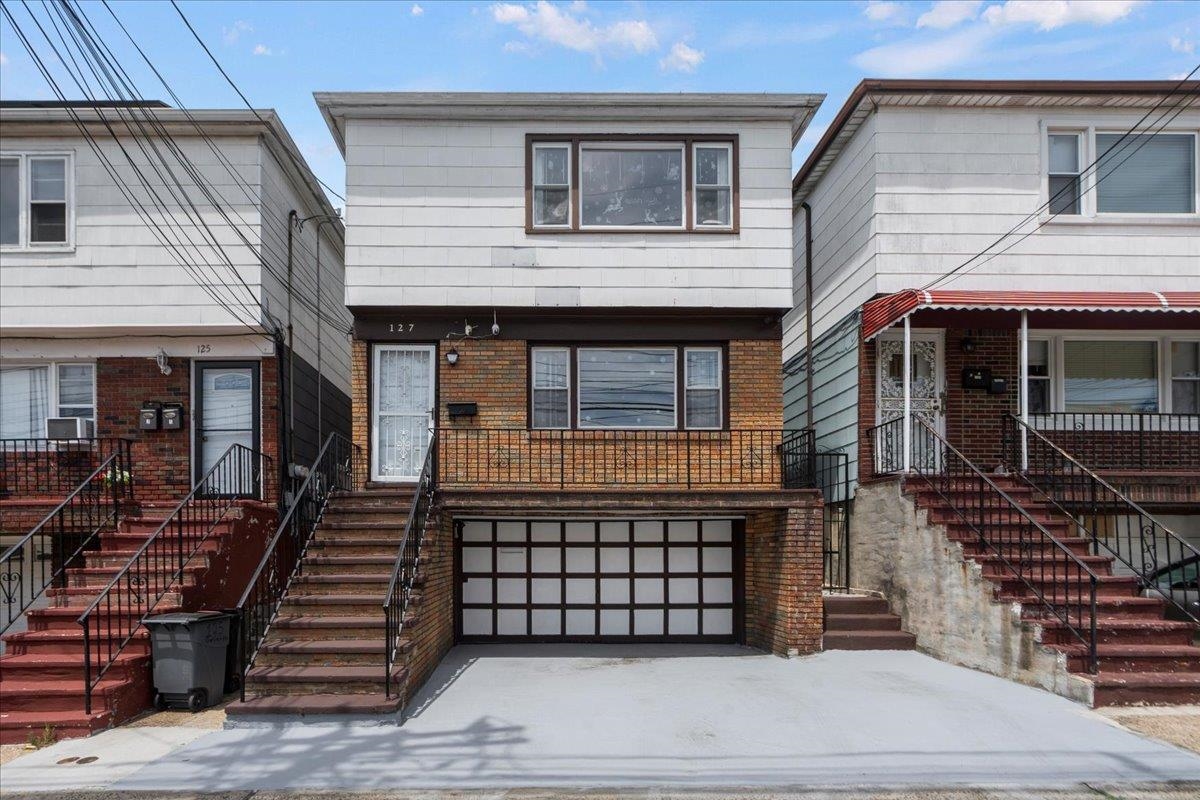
{"points": [[41, 672], [324, 651], [1144, 658], [862, 622]]}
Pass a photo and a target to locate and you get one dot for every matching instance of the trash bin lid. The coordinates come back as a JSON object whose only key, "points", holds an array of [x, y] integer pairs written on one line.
{"points": [[183, 617]]}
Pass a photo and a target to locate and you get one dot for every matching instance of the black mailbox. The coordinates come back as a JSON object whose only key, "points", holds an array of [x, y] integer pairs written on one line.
{"points": [[172, 416], [462, 409], [998, 386], [976, 378], [151, 417]]}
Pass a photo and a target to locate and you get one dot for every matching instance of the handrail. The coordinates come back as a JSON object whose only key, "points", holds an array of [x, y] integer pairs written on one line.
{"points": [[1060, 580], [332, 471], [1121, 441], [76, 523], [1133, 536], [110, 623], [408, 560]]}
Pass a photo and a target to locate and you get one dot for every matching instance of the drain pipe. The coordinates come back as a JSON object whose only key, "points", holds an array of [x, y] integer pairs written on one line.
{"points": [[808, 312], [291, 342]]}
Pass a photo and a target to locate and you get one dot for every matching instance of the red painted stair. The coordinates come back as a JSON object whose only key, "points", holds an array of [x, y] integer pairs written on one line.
{"points": [[861, 622]]}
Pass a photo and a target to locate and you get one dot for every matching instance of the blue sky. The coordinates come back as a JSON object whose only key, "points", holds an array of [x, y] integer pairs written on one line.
{"points": [[280, 52]]}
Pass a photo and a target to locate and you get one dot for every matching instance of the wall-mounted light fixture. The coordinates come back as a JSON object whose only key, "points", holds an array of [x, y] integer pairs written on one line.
{"points": [[967, 344], [164, 364], [452, 356]]}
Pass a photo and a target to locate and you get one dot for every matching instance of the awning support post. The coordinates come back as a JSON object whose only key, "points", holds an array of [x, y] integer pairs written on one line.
{"points": [[907, 425], [1023, 390]]}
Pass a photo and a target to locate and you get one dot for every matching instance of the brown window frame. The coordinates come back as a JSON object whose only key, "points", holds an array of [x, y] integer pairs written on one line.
{"points": [[680, 349], [687, 140]]}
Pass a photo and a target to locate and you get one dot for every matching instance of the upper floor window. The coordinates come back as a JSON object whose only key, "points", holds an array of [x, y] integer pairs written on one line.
{"points": [[630, 183], [35, 200], [1144, 174]]}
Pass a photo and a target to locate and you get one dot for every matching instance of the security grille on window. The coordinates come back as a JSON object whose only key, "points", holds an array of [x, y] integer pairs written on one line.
{"points": [[714, 186], [34, 200], [551, 185], [1064, 185], [1147, 173], [1185, 377], [703, 393]]}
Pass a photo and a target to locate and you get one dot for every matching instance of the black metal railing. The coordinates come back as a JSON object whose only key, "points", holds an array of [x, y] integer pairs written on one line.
{"points": [[39, 467], [797, 456], [500, 457], [407, 564], [112, 619], [1113, 523], [333, 471], [1051, 575], [40, 559], [887, 447], [831, 475], [1116, 441]]}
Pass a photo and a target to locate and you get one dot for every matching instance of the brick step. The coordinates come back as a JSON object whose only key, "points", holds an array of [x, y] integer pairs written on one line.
{"points": [[72, 594], [1124, 630], [65, 617], [349, 565], [319, 680], [854, 604], [151, 525], [388, 513], [322, 652], [18, 726], [1045, 565], [58, 695], [1067, 587], [315, 704], [333, 523], [65, 641], [130, 542], [371, 584], [868, 640], [98, 577], [66, 667], [313, 628], [973, 547], [1106, 606], [333, 604], [1010, 519], [1122, 658], [862, 622], [354, 546], [1146, 688]]}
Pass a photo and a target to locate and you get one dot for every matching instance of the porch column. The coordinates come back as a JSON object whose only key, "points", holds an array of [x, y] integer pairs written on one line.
{"points": [[1023, 390], [907, 425]]}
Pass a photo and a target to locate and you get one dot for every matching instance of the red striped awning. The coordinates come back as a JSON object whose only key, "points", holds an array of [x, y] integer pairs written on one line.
{"points": [[882, 312]]}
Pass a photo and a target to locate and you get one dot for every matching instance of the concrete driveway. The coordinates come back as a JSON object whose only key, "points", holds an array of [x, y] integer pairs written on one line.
{"points": [[612, 716]]}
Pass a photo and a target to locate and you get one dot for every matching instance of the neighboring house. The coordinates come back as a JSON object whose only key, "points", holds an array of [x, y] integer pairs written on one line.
{"points": [[146, 254], [577, 297], [1079, 332]]}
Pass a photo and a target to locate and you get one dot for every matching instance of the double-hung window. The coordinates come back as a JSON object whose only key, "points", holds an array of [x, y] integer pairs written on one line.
{"points": [[656, 387], [1107, 376], [1185, 377], [1039, 385], [35, 200], [632, 183], [31, 393], [1066, 152]]}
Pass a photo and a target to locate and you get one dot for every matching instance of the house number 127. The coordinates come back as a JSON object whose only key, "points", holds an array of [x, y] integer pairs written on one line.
{"points": [[401, 327]]}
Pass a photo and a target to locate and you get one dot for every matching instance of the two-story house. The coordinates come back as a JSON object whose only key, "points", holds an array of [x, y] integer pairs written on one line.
{"points": [[567, 327], [171, 306], [997, 319]]}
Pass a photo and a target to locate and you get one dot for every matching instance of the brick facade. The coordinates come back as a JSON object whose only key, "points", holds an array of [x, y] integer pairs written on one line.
{"points": [[431, 632], [783, 576]]}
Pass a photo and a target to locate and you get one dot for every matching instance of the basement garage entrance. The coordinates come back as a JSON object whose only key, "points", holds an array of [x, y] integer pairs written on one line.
{"points": [[633, 580]]}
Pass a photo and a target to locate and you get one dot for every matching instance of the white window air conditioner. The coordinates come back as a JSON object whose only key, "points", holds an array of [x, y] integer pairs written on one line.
{"points": [[69, 428]]}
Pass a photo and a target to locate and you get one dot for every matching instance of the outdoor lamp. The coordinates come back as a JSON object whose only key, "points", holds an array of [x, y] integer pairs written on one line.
{"points": [[452, 357]]}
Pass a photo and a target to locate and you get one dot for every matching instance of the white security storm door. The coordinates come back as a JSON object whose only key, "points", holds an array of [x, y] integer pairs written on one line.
{"points": [[227, 413], [927, 387], [599, 580], [402, 410]]}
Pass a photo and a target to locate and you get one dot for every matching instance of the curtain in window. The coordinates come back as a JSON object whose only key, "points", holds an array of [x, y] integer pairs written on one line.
{"points": [[24, 402], [1151, 173], [1110, 376]]}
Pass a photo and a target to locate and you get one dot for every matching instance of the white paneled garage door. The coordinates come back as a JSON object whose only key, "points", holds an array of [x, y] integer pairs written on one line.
{"points": [[599, 580]]}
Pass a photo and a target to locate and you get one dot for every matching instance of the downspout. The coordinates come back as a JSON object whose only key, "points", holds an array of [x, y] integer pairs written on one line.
{"points": [[808, 312], [281, 468], [291, 410]]}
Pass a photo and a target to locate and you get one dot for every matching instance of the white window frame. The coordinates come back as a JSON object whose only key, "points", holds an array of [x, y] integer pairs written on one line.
{"points": [[1163, 340], [675, 354], [680, 147], [1080, 162], [696, 185], [720, 388], [1171, 379], [1088, 213], [24, 180], [533, 388], [53, 400], [1051, 370], [534, 186]]}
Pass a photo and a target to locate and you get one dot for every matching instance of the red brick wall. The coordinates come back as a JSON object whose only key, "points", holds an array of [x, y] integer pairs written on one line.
{"points": [[432, 634], [783, 576]]}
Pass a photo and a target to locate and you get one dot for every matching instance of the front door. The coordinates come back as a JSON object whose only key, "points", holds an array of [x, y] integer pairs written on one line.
{"points": [[927, 389], [227, 413], [402, 410]]}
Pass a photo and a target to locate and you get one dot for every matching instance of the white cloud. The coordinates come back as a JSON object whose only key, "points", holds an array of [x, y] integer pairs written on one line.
{"points": [[948, 13], [1177, 76], [568, 28], [3, 59], [1181, 45], [1051, 14], [517, 47], [681, 59], [921, 56], [884, 11], [234, 32], [758, 34], [262, 50], [416, 10]]}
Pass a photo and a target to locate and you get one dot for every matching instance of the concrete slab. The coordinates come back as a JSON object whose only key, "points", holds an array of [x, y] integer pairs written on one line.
{"points": [[612, 716]]}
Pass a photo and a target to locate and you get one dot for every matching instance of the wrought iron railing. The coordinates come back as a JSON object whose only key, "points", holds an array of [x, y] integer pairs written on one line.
{"points": [[38, 467], [1114, 524], [408, 563], [112, 619], [797, 455], [831, 475], [1125, 441], [60, 539], [503, 457], [887, 447], [1052, 574], [333, 471]]}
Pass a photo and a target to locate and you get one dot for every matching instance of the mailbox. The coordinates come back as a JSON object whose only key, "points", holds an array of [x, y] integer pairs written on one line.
{"points": [[998, 386], [976, 378], [151, 417], [462, 409], [172, 416]]}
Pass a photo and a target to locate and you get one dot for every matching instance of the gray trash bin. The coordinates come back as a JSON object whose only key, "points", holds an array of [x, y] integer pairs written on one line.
{"points": [[188, 651]]}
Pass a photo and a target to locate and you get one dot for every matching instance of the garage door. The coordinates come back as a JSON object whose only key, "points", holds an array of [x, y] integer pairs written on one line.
{"points": [[599, 580]]}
